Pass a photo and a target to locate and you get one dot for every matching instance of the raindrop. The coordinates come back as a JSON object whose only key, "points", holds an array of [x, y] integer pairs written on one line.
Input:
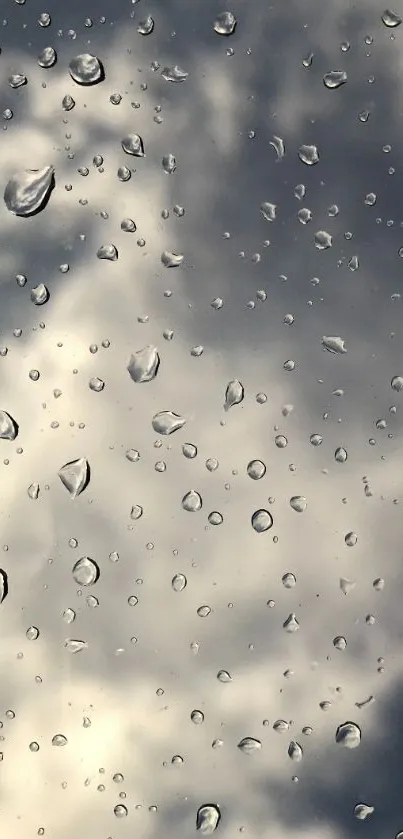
{"points": [[197, 717], [69, 615], [391, 19], [169, 163], [397, 383], [339, 642], [335, 344], [189, 450], [249, 745], [281, 441], [172, 260], [120, 811], [280, 726], [32, 633], [75, 476], [268, 210], [108, 252], [204, 611], [59, 740], [323, 240], [124, 174], [68, 102], [334, 79], [340, 455], [17, 80], [289, 580], [207, 819], [85, 571], [128, 225], [96, 384], [28, 192], [234, 394], [224, 677], [166, 422], [351, 539], [192, 501], [74, 645], [362, 811], [179, 582], [278, 145], [225, 23], [215, 518], [346, 585], [291, 624], [133, 144], [143, 364], [47, 58], [256, 469], [8, 426], [348, 734], [136, 512], [39, 295], [316, 439], [44, 19], [146, 26], [308, 155], [295, 751], [298, 503], [86, 69], [174, 74], [261, 521]]}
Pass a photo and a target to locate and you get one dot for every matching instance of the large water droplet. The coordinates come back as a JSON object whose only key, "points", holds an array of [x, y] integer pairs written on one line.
{"points": [[256, 469], [334, 344], [179, 582], [3, 585], [8, 426], [308, 155], [174, 74], [143, 364], [225, 23], [68, 102], [146, 26], [298, 503], [261, 521], [28, 192], [249, 745], [334, 79], [75, 476], [86, 69], [166, 422], [40, 294], [391, 19], [192, 501], [85, 571], [47, 58], [108, 252], [323, 240], [348, 734], [207, 819], [133, 144], [234, 394], [172, 260]]}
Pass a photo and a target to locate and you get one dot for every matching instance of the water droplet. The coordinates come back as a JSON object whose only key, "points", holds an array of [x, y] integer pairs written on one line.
{"points": [[298, 503], [340, 455], [335, 344], [8, 426], [169, 164], [397, 383], [281, 441], [74, 645], [261, 521], [108, 252], [268, 211], [189, 450], [136, 512], [379, 584], [339, 642], [146, 26], [204, 611], [124, 174], [351, 539], [207, 819], [68, 102], [44, 19], [256, 469], [215, 518], [69, 615], [308, 155], [289, 580], [47, 58], [85, 571], [120, 811], [197, 717], [192, 501], [346, 585], [28, 192], [249, 745], [278, 145], [225, 23], [334, 79], [128, 225], [304, 215], [75, 476], [391, 19], [32, 633], [234, 394], [316, 439], [179, 582], [96, 384], [34, 747], [348, 734], [3, 585], [224, 677], [172, 260], [174, 74], [143, 365], [86, 69], [17, 80], [39, 294], [133, 144], [291, 624], [362, 811], [280, 726], [323, 240], [166, 422], [59, 740], [295, 751]]}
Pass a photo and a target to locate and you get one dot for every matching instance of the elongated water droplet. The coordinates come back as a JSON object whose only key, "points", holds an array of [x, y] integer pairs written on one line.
{"points": [[109, 252], [174, 74], [133, 144], [166, 422], [86, 69], [192, 501], [169, 164], [28, 192], [143, 364], [33, 491], [171, 260], [3, 585], [75, 476], [277, 143], [298, 503], [291, 624], [249, 745], [261, 521], [47, 58], [85, 571], [234, 394], [308, 155], [59, 740], [397, 383], [268, 211], [256, 469], [204, 611], [334, 344], [8, 426], [146, 26], [17, 80], [74, 645], [348, 734], [179, 582], [295, 751], [40, 294], [334, 79], [207, 819], [391, 19]]}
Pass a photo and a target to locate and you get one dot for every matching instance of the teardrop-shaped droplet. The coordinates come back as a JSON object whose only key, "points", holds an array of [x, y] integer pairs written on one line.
{"points": [[334, 79], [179, 582], [40, 294], [207, 819], [74, 645], [362, 811], [47, 58], [261, 521], [224, 677], [109, 252], [348, 734], [391, 19], [277, 143], [169, 163], [85, 571], [192, 501], [86, 69], [28, 192], [8, 426], [143, 365], [174, 74], [225, 23], [295, 751], [334, 344], [171, 260], [234, 394], [3, 585], [298, 503], [268, 210], [146, 26], [166, 422], [59, 740], [133, 144], [291, 624], [75, 476], [68, 102], [249, 745], [308, 155]]}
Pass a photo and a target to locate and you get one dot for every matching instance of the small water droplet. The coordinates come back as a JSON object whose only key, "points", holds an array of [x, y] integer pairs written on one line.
{"points": [[189, 450], [335, 344], [323, 240], [308, 155], [75, 476], [32, 633], [289, 580], [291, 624], [108, 252], [391, 19], [204, 611], [197, 717], [47, 58], [40, 294], [174, 74], [339, 642], [224, 676], [169, 164], [68, 102], [17, 80], [8, 426], [268, 210], [295, 751], [120, 811], [59, 740], [340, 455], [256, 469], [171, 260], [362, 811], [334, 79], [74, 645], [351, 539], [280, 726], [146, 26], [179, 582]]}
